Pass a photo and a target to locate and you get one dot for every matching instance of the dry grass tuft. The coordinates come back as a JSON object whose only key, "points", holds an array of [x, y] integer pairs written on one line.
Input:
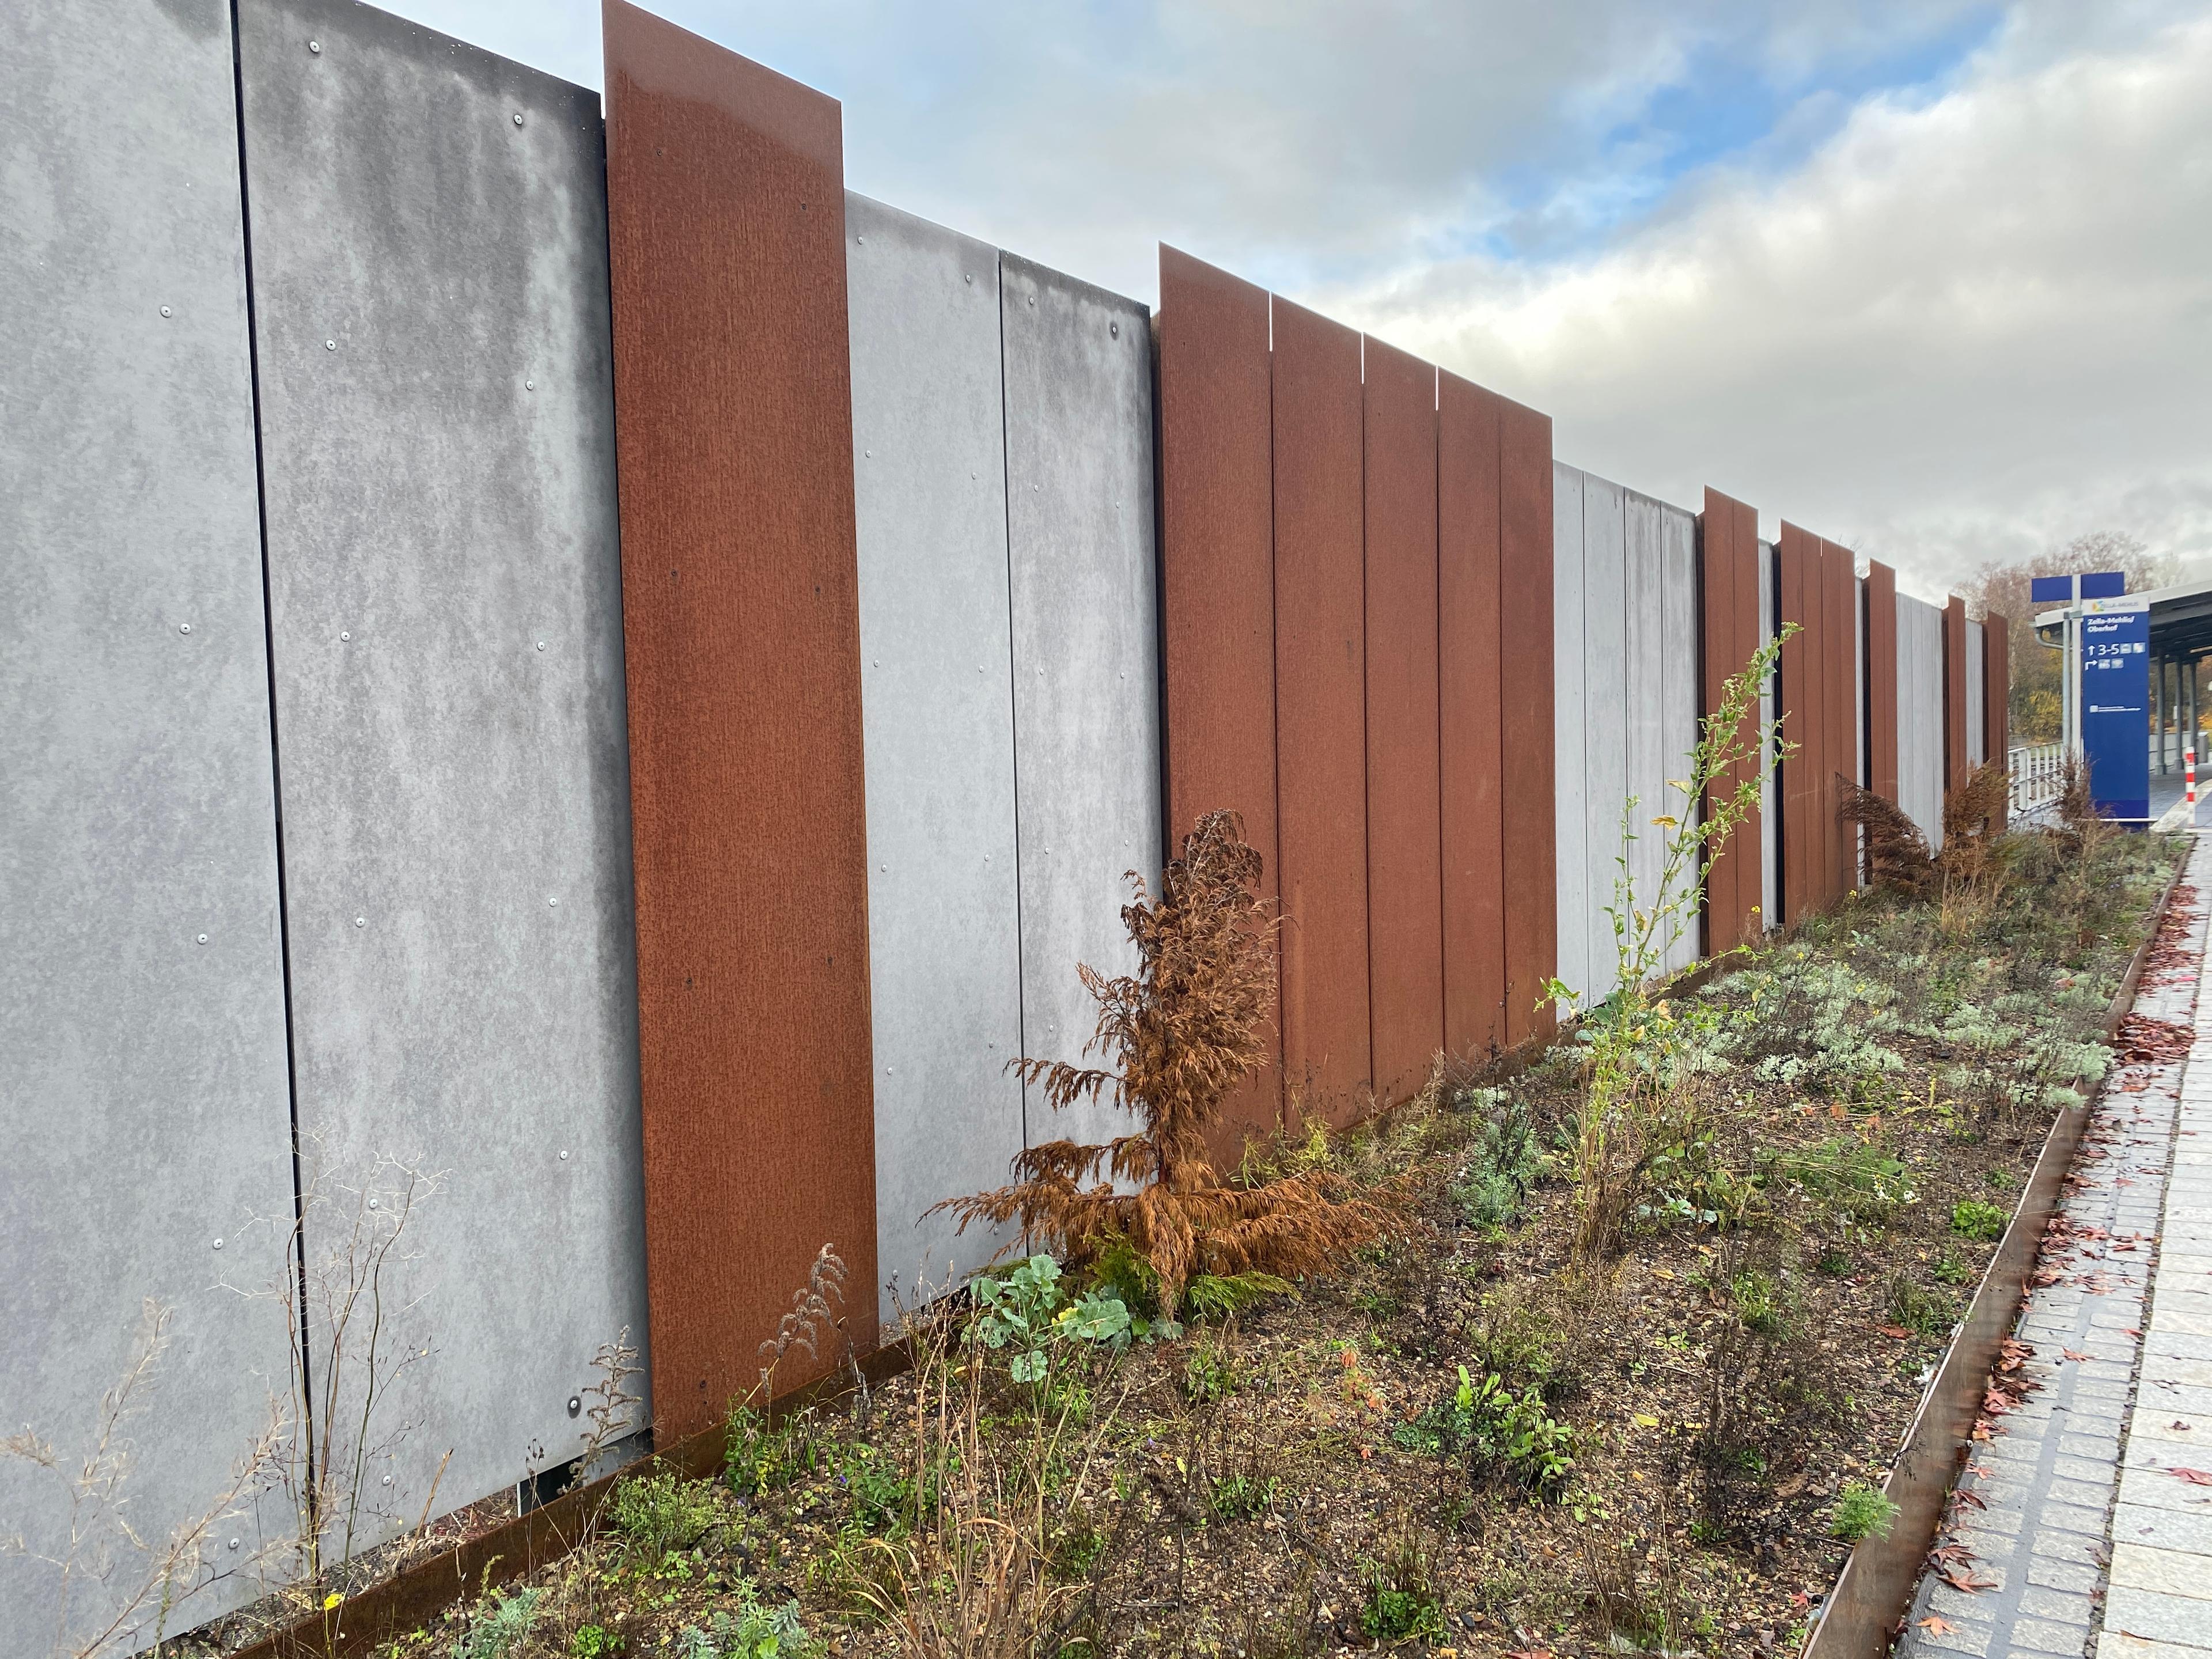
{"points": [[1181, 1032]]}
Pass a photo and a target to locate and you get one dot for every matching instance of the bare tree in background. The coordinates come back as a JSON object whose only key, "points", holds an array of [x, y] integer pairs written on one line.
{"points": [[2002, 590]]}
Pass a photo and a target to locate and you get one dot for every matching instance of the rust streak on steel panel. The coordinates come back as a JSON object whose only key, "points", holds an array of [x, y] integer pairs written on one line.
{"points": [[1320, 712], [1956, 764], [1405, 873], [1719, 568], [1792, 562], [1996, 695], [1218, 589], [726, 233], [1524, 677], [1471, 761], [1881, 680], [1750, 892]]}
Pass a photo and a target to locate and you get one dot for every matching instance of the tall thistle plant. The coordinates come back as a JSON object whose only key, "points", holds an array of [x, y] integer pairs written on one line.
{"points": [[1631, 1037]]}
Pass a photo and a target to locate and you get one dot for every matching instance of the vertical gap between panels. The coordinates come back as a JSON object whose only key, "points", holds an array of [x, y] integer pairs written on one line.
{"points": [[1436, 623], [312, 1519], [1013, 681]]}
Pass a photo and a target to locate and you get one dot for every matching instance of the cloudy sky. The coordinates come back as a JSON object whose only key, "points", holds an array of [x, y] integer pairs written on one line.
{"points": [[1929, 277]]}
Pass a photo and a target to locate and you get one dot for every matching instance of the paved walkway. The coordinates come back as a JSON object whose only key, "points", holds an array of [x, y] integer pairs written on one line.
{"points": [[2025, 1565]]}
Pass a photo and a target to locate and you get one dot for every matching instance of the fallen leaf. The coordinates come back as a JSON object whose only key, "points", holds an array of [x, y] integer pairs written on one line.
{"points": [[1799, 1599], [1959, 1578], [2194, 1477], [2070, 1354], [1895, 1333], [1936, 1624], [1643, 1422], [2178, 1424]]}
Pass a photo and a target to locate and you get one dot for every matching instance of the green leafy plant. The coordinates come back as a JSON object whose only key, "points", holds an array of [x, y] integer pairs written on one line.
{"points": [[1502, 1165], [1972, 1219], [1861, 1511], [1952, 1268], [655, 1515], [757, 1631], [496, 1630], [1634, 1041], [1240, 1497], [1028, 1310], [761, 1453], [1220, 1295], [1510, 1433], [1914, 1306], [1208, 1374], [1401, 1594], [1761, 1302], [881, 1495], [594, 1642]]}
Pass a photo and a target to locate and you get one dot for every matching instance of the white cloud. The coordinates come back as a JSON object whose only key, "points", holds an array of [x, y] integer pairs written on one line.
{"points": [[1957, 321], [1965, 328]]}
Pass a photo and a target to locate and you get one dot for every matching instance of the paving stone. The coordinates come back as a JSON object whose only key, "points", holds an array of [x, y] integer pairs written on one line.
{"points": [[2063, 1575], [2162, 1618], [2116, 1644], [2169, 1572], [2042, 1635], [1973, 1637], [2072, 1607], [2169, 1529]]}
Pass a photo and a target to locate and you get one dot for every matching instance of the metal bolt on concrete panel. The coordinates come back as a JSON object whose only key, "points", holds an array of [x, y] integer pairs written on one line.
{"points": [[564, 1154], [530, 386], [183, 628], [518, 118], [165, 312], [552, 900], [316, 48], [373, 1204], [330, 345], [969, 279], [345, 634], [203, 939], [1114, 328], [233, 1543], [541, 645], [575, 1405], [218, 1243], [360, 921]]}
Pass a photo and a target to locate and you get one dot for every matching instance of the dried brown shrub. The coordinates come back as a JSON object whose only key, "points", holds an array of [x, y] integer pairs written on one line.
{"points": [[1896, 851], [1181, 1032]]}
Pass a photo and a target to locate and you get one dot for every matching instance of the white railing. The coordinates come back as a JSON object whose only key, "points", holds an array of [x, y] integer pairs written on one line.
{"points": [[2036, 775]]}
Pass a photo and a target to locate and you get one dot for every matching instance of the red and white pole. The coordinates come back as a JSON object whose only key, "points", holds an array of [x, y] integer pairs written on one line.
{"points": [[2189, 775]]}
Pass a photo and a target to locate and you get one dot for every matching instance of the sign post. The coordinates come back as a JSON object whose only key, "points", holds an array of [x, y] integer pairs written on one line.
{"points": [[2105, 686], [2115, 702]]}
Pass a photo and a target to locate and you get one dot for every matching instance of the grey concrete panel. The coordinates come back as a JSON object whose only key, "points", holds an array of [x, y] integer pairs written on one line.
{"points": [[1086, 651], [1569, 699], [1770, 822], [430, 283], [1605, 712], [937, 715], [1920, 714], [1678, 721], [1644, 623], [1976, 736], [142, 1015]]}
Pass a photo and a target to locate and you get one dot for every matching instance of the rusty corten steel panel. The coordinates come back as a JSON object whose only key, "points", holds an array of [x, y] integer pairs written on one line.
{"points": [[1956, 762], [1320, 712], [1405, 873], [1997, 692], [1217, 584], [1794, 561], [1882, 679], [726, 232], [1471, 767], [1524, 677]]}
